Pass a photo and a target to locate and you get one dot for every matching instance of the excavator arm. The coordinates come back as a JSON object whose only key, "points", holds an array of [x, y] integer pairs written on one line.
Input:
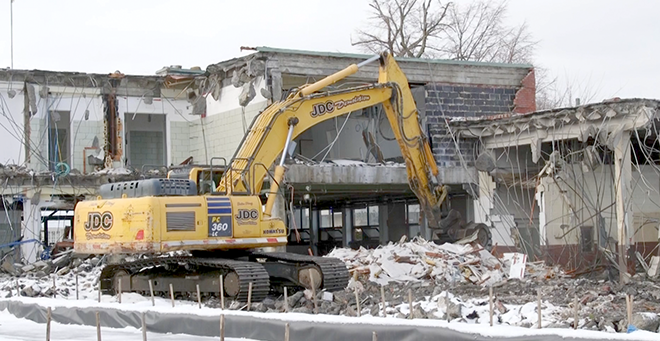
{"points": [[273, 129], [159, 215]]}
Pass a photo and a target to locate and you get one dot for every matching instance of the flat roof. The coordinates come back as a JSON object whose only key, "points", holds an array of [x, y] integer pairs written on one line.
{"points": [[266, 49]]}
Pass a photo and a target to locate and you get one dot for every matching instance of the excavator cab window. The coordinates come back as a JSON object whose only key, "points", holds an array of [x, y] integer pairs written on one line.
{"points": [[207, 183]]}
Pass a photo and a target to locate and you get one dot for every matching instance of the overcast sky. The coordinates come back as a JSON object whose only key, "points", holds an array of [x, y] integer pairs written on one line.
{"points": [[610, 46]]}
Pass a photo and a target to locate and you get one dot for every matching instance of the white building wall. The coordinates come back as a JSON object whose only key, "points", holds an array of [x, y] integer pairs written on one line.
{"points": [[221, 131], [11, 124], [177, 123], [576, 199], [83, 127]]}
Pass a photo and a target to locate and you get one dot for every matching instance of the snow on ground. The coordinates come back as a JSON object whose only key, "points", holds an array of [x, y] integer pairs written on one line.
{"points": [[426, 268], [17, 329], [138, 303]]}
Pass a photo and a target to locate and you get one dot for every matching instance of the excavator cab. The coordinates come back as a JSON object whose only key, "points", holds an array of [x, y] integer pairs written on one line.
{"points": [[206, 177]]}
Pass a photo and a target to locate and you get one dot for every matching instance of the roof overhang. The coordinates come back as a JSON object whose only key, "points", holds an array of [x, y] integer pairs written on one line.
{"points": [[601, 121]]}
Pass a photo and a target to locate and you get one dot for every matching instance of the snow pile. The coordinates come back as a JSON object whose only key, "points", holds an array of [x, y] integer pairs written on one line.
{"points": [[420, 260]]}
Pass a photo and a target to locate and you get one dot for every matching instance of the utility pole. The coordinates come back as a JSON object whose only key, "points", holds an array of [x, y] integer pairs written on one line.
{"points": [[11, 23]]}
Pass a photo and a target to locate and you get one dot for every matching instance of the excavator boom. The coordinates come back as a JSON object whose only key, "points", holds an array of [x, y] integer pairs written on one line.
{"points": [[227, 230], [308, 107]]}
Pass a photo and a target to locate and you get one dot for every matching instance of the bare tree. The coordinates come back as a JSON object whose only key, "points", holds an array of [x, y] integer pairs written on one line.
{"points": [[405, 28], [427, 28], [557, 92], [477, 32]]}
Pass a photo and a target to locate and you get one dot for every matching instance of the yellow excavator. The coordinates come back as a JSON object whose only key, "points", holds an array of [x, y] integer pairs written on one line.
{"points": [[229, 234]]}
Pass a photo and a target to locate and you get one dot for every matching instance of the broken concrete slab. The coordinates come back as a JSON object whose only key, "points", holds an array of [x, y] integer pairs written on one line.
{"points": [[654, 267], [28, 268], [9, 267], [646, 321]]}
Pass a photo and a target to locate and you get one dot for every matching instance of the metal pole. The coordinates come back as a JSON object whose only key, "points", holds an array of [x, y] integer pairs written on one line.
{"points": [[11, 23], [286, 144], [368, 61]]}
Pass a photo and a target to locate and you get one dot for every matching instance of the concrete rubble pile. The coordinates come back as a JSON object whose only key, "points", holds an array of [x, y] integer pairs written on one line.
{"points": [[421, 260], [51, 278], [446, 282]]}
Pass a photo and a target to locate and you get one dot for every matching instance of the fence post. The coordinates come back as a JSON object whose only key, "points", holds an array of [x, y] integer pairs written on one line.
{"points": [[98, 326], [199, 297], [313, 285], [222, 327], [151, 291], [575, 303], [410, 301], [382, 298], [144, 327], [357, 300], [286, 300], [490, 302], [172, 294], [249, 302], [222, 293], [538, 290], [49, 316]]}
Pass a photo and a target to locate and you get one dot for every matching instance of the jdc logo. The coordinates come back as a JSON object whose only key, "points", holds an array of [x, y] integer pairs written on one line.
{"points": [[96, 221], [323, 108], [245, 214], [330, 106]]}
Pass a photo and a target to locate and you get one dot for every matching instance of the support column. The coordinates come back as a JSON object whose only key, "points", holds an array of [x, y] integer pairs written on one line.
{"points": [[396, 222], [347, 225], [622, 177], [31, 230], [279, 212], [484, 203], [314, 228], [383, 227], [424, 225], [279, 208]]}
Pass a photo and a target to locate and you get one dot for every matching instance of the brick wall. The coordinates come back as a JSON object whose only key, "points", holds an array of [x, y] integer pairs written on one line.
{"points": [[525, 100], [451, 100]]}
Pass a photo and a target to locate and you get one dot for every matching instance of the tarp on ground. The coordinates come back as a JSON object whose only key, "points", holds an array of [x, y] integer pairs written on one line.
{"points": [[248, 326]]}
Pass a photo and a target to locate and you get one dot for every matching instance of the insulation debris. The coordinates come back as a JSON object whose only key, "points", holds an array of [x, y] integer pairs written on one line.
{"points": [[421, 260]]}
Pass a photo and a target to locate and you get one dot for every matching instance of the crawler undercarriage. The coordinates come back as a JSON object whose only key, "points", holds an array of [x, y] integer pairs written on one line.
{"points": [[267, 271]]}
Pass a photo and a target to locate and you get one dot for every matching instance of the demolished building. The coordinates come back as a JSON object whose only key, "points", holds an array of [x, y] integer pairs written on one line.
{"points": [[506, 164], [66, 133], [573, 186], [349, 172]]}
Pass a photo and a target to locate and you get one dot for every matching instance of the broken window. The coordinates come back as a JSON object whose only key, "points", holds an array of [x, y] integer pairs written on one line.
{"points": [[412, 218], [587, 238], [145, 140], [58, 138], [365, 221], [326, 219], [330, 227]]}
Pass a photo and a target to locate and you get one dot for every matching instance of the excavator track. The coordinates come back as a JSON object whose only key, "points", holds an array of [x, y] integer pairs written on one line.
{"points": [[334, 272], [237, 274]]}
